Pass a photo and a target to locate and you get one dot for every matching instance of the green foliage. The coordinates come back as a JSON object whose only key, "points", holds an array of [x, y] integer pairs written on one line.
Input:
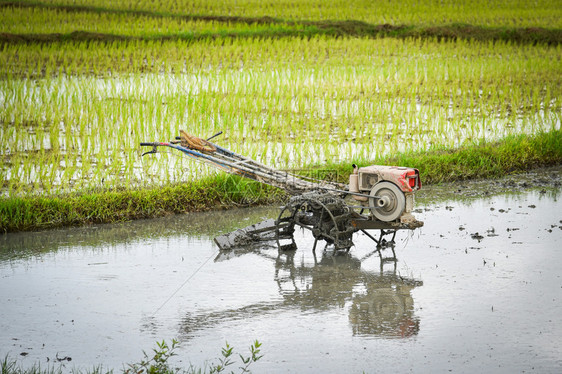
{"points": [[157, 362], [37, 212], [7, 365], [255, 356], [10, 366]]}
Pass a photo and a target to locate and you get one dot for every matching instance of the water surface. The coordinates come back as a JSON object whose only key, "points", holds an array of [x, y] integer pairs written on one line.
{"points": [[477, 289]]}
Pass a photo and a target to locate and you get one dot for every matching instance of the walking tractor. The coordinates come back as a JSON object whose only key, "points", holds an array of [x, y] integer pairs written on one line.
{"points": [[377, 198]]}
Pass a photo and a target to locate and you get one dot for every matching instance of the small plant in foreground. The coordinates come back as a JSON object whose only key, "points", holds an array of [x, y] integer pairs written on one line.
{"points": [[158, 363], [7, 365], [226, 359]]}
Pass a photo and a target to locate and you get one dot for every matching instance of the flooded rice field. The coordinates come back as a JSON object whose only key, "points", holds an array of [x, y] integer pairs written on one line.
{"points": [[477, 289]]}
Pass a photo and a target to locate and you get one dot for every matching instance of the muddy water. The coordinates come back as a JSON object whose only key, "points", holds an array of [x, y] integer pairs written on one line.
{"points": [[477, 289]]}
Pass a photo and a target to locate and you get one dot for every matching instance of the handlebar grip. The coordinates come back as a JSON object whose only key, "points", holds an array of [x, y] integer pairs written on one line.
{"points": [[147, 144]]}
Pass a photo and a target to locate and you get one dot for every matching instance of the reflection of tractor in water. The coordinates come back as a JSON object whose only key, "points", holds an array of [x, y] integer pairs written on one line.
{"points": [[379, 303], [332, 211], [385, 309]]}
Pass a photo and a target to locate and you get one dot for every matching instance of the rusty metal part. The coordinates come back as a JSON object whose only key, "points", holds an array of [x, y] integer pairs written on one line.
{"points": [[325, 215], [193, 142]]}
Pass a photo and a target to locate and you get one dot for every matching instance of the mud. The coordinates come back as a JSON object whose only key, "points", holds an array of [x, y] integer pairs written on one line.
{"points": [[542, 179], [477, 289]]}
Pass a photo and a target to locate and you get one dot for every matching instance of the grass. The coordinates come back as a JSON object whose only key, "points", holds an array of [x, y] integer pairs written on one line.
{"points": [[512, 154], [485, 160], [159, 361]]}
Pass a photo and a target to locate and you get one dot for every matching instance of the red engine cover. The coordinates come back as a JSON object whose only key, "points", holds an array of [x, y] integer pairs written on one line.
{"points": [[407, 179]]}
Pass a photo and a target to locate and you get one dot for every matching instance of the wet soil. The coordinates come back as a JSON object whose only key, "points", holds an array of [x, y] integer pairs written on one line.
{"points": [[542, 179], [477, 289]]}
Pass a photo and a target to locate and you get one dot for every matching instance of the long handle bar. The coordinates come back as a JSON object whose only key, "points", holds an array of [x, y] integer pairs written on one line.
{"points": [[153, 145]]}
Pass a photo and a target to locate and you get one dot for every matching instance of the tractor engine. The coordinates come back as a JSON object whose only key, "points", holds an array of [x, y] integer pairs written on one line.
{"points": [[390, 189]]}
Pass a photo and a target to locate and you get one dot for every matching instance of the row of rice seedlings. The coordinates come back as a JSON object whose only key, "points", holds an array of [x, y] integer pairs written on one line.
{"points": [[288, 153], [44, 20], [490, 13], [102, 59], [287, 117], [417, 80]]}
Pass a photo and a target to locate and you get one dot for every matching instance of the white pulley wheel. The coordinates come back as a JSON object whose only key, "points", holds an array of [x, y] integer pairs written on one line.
{"points": [[390, 204]]}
